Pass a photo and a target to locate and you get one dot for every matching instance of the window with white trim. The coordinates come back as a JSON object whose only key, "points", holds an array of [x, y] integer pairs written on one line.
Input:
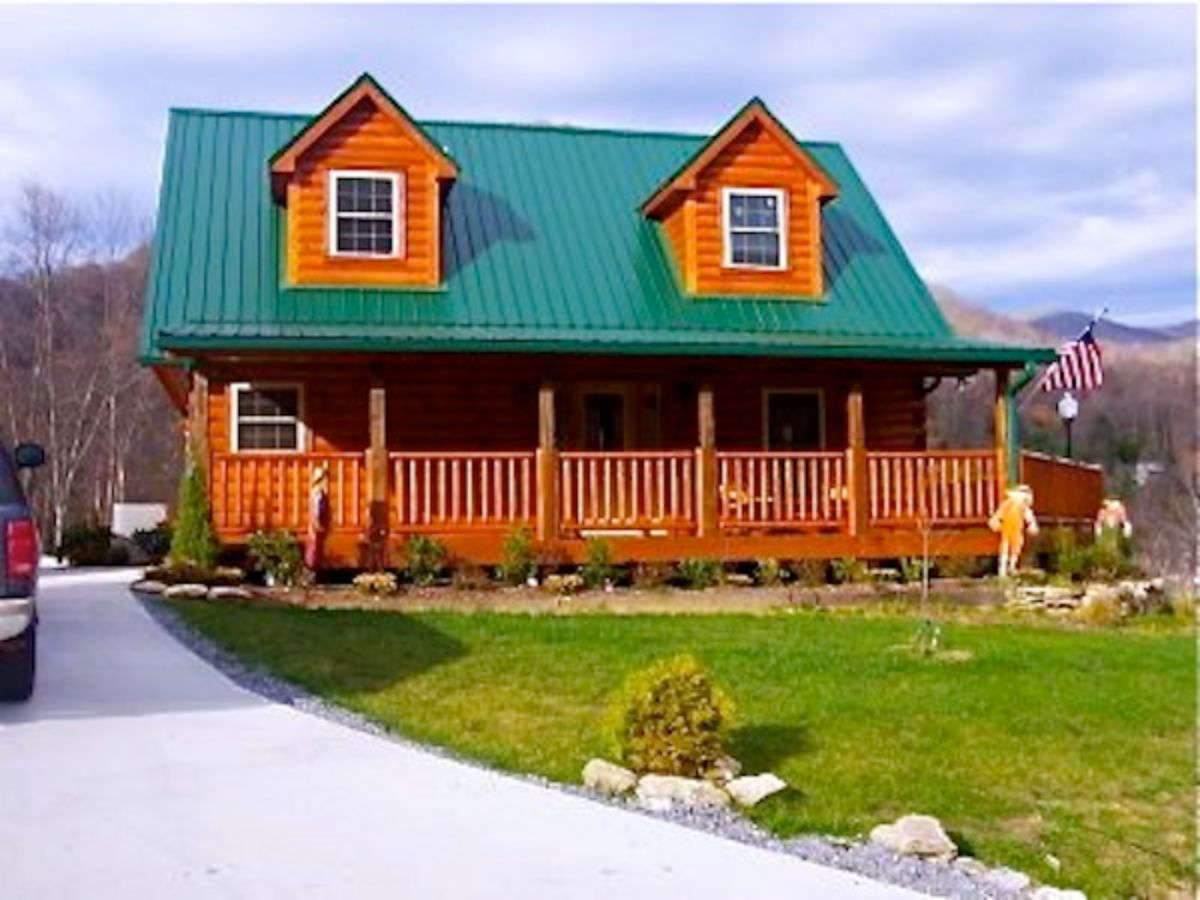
{"points": [[266, 417], [755, 228], [365, 213]]}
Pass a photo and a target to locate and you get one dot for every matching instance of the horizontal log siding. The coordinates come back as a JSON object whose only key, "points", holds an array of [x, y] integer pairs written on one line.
{"points": [[364, 139]]}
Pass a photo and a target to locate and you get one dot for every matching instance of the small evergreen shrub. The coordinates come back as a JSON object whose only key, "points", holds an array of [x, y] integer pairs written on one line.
{"points": [[670, 719], [86, 545], [769, 573], [809, 572], [1066, 557], [1111, 556], [598, 570], [375, 584], [424, 558], [277, 553], [518, 558], [912, 569], [698, 574], [849, 570], [154, 542], [192, 541]]}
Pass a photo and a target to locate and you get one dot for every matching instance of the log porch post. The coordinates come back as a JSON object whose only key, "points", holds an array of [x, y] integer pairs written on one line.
{"points": [[547, 466], [706, 463], [1000, 428], [197, 428], [377, 477], [856, 461]]}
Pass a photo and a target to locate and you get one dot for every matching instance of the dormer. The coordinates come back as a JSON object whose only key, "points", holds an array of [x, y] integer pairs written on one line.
{"points": [[743, 215], [363, 186]]}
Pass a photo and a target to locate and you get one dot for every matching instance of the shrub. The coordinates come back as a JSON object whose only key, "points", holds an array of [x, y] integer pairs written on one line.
{"points": [[849, 570], [154, 542], [959, 566], [670, 719], [375, 584], [912, 569], [518, 559], [650, 576], [192, 541], [424, 558], [598, 570], [1111, 555], [1067, 557], [810, 572], [1100, 609], [277, 553], [698, 574], [85, 545], [769, 573]]}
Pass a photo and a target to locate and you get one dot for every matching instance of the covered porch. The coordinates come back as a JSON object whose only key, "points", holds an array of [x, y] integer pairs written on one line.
{"points": [[469, 449]]}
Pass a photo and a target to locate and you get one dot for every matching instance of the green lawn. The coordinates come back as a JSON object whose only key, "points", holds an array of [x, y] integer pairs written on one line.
{"points": [[1048, 740]]}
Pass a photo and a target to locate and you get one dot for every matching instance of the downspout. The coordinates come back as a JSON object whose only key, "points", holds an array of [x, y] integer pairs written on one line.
{"points": [[1012, 414]]}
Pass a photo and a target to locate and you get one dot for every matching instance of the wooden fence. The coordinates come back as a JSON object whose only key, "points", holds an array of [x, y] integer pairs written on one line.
{"points": [[451, 491], [932, 486], [778, 490], [253, 491], [627, 490], [1064, 490]]}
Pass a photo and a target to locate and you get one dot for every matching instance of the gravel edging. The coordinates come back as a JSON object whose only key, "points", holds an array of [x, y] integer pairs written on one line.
{"points": [[867, 859]]}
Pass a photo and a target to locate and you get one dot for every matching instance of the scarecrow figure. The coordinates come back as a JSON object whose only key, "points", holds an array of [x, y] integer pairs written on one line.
{"points": [[1112, 517], [318, 519], [1013, 519]]}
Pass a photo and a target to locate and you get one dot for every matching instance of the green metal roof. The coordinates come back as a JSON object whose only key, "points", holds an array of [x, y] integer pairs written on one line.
{"points": [[544, 251]]}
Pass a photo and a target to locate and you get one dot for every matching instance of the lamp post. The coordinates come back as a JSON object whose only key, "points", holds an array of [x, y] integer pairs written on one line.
{"points": [[1068, 410]]}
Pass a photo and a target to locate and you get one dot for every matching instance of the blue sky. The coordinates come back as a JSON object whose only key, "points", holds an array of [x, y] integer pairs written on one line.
{"points": [[1029, 157]]}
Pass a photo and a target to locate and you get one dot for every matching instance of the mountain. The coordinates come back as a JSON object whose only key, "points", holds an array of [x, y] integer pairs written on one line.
{"points": [[1063, 326], [972, 320]]}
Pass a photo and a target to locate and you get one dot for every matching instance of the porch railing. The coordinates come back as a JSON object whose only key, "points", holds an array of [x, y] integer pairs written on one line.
{"points": [[461, 491], [253, 491], [947, 486], [780, 489], [627, 490], [1063, 489]]}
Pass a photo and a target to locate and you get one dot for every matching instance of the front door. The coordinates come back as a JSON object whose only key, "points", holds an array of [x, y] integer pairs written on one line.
{"points": [[603, 421], [794, 420]]}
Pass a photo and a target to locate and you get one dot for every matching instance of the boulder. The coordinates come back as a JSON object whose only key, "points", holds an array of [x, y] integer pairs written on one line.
{"points": [[191, 591], [752, 789], [915, 835], [1045, 892], [563, 584], [971, 866], [608, 778], [148, 586], [228, 592], [1009, 880], [726, 769], [660, 792], [739, 579]]}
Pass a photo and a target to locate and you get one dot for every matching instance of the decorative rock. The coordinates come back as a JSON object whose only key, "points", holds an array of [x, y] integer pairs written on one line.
{"points": [[148, 586], [739, 579], [661, 792], [191, 591], [726, 769], [1045, 892], [228, 592], [752, 789], [563, 584], [1053, 861], [1006, 879], [608, 778], [915, 835], [971, 866]]}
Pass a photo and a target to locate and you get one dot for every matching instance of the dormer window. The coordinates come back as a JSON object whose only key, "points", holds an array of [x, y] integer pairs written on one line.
{"points": [[755, 228], [365, 213]]}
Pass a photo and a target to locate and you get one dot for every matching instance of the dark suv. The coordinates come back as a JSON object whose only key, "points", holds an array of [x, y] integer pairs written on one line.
{"points": [[19, 555]]}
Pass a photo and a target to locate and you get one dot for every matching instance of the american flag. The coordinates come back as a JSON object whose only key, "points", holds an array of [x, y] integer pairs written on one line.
{"points": [[1078, 367]]}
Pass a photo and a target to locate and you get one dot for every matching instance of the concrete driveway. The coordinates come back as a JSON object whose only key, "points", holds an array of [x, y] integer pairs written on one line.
{"points": [[139, 771]]}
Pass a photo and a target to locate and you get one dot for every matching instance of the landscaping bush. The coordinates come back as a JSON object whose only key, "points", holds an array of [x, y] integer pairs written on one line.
{"points": [[154, 542], [809, 572], [1066, 557], [1100, 609], [698, 574], [85, 545], [670, 719], [960, 566], [424, 558], [652, 576], [375, 584], [518, 559], [1112, 555], [849, 570], [912, 569], [193, 542], [598, 570], [769, 573], [277, 553]]}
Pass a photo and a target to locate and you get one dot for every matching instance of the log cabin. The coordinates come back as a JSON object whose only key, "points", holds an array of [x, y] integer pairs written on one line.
{"points": [[691, 345]]}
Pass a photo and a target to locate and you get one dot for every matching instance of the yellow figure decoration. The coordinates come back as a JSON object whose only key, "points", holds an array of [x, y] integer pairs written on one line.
{"points": [[1112, 515], [1013, 519]]}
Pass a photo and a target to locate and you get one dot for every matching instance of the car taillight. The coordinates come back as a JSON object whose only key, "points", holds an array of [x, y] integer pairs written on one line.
{"points": [[21, 548]]}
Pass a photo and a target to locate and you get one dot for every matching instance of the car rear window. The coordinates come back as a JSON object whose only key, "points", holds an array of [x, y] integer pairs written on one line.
{"points": [[10, 490]]}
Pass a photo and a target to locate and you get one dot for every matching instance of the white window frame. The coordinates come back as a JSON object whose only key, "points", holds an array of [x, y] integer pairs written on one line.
{"points": [[768, 393], [727, 229], [397, 212], [240, 387]]}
